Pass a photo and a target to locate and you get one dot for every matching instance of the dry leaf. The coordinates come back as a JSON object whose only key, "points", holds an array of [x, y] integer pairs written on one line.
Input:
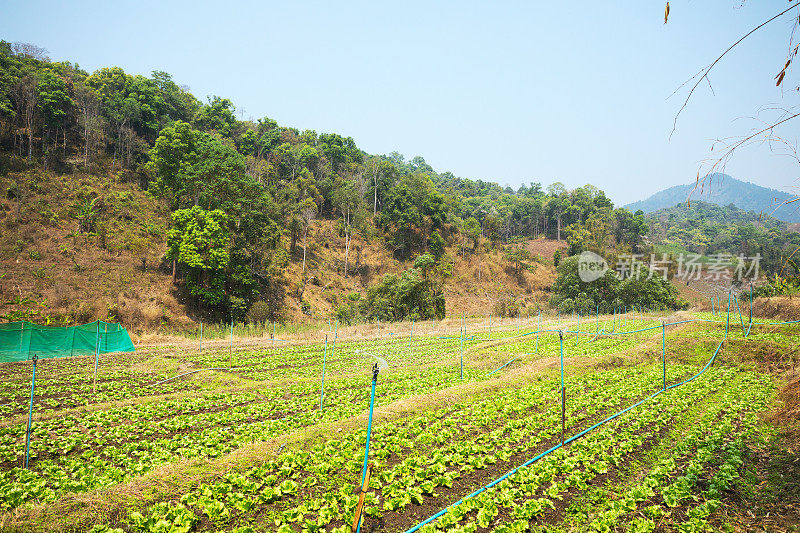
{"points": [[666, 13]]}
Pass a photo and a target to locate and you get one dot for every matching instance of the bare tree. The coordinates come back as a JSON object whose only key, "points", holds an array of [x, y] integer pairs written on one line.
{"points": [[30, 51], [89, 107], [765, 131], [308, 212], [26, 94]]}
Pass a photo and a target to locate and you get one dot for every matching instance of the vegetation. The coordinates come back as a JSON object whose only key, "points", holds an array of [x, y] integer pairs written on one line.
{"points": [[709, 229], [723, 190], [243, 196], [609, 292], [415, 294], [433, 440]]}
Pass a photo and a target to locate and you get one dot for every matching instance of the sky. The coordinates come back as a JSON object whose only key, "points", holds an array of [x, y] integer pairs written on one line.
{"points": [[512, 92]]}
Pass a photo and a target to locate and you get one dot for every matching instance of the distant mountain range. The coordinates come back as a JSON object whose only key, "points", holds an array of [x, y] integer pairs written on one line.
{"points": [[723, 189]]}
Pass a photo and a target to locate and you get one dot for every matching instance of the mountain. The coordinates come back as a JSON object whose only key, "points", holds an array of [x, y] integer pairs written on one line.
{"points": [[722, 189]]}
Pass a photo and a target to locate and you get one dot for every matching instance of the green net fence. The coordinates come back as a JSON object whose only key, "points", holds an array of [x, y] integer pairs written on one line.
{"points": [[19, 341]]}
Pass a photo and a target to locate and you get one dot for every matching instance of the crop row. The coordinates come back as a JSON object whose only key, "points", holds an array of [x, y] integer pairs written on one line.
{"points": [[447, 450], [76, 453]]}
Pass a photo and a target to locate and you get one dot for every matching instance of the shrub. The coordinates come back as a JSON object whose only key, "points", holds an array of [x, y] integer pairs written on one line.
{"points": [[259, 312], [409, 295], [608, 292], [508, 306]]}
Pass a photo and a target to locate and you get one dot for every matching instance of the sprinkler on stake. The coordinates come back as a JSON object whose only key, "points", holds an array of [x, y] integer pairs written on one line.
{"points": [[367, 467]]}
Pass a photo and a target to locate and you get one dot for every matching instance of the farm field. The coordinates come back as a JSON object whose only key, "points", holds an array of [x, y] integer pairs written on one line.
{"points": [[257, 446]]}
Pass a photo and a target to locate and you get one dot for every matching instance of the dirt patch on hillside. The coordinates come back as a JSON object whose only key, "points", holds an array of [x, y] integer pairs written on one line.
{"points": [[545, 247], [781, 307], [787, 414]]}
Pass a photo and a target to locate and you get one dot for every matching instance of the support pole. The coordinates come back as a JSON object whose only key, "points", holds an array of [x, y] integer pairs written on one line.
{"points": [[30, 414], [231, 335], [563, 392], [335, 336], [728, 317], [324, 358], [412, 333], [664, 352], [273, 333], [462, 349], [538, 329], [578, 329], [96, 355], [201, 336]]}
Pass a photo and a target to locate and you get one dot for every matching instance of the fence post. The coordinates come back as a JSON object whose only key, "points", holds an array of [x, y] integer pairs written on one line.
{"points": [[324, 357], [563, 392], [30, 414]]}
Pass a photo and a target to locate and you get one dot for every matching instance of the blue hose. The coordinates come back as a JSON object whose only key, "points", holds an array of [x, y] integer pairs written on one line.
{"points": [[578, 435], [502, 367]]}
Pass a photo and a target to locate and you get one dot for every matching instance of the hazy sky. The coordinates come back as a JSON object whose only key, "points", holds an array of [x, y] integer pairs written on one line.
{"points": [[511, 92]]}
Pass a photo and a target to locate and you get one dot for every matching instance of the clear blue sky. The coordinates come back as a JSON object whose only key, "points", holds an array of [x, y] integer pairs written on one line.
{"points": [[511, 92]]}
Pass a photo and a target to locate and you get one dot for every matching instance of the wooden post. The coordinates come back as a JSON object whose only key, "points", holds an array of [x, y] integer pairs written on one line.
{"points": [[361, 494]]}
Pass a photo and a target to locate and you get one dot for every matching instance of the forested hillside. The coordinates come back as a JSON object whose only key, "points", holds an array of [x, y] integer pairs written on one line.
{"points": [[722, 189], [204, 214], [710, 229]]}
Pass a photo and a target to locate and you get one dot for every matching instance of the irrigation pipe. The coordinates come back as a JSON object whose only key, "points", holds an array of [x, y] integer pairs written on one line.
{"points": [[578, 435], [502, 367], [192, 372]]}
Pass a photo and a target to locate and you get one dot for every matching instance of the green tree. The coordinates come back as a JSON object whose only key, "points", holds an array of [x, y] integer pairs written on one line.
{"points": [[199, 241], [410, 295], [413, 209]]}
